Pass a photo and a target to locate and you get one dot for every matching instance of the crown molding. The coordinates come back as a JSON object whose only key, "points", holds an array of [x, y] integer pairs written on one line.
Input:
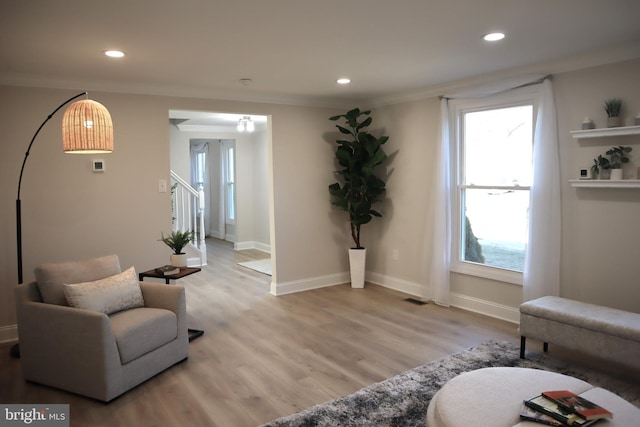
{"points": [[576, 62], [573, 63], [241, 95]]}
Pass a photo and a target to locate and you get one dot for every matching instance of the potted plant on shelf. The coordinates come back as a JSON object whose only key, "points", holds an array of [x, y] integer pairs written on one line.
{"points": [[613, 107], [358, 157], [177, 240], [618, 156], [601, 167]]}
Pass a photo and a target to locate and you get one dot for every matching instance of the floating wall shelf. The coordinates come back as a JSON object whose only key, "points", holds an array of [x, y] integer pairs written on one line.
{"points": [[605, 132], [605, 183]]}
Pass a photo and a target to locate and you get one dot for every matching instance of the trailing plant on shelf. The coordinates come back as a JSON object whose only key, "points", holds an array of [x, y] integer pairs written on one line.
{"points": [[358, 157], [177, 240]]}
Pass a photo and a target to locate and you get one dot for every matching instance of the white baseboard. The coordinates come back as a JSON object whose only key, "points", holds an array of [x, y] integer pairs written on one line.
{"points": [[242, 246], [262, 247], [465, 302], [400, 285], [8, 333], [412, 288], [285, 288], [216, 235], [488, 308]]}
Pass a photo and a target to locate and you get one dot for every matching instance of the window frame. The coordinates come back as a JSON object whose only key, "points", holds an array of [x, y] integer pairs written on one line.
{"points": [[457, 108]]}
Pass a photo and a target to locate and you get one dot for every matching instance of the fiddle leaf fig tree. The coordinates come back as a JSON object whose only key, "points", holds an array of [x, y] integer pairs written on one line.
{"points": [[358, 156]]}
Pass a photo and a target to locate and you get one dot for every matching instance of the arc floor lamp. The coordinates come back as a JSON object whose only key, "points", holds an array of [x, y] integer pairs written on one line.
{"points": [[86, 129]]}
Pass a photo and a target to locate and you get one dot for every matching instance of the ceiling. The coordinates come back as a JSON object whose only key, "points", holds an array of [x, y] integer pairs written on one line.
{"points": [[294, 50]]}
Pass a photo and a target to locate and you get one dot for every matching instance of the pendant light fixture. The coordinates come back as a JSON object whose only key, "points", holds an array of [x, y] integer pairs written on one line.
{"points": [[246, 124]]}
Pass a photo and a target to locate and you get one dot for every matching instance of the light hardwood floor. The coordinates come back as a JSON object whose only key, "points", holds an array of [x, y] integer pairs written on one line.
{"points": [[263, 357]]}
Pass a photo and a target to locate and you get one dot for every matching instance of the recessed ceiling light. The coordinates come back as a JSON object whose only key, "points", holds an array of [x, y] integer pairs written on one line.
{"points": [[493, 37], [344, 81], [114, 53]]}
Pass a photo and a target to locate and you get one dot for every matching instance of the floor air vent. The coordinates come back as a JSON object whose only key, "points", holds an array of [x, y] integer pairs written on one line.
{"points": [[416, 301]]}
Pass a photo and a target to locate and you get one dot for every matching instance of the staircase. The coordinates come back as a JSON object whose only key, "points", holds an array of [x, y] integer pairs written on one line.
{"points": [[187, 206]]}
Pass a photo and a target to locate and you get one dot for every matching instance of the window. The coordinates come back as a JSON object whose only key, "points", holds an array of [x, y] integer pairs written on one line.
{"points": [[200, 166], [229, 178], [493, 174]]}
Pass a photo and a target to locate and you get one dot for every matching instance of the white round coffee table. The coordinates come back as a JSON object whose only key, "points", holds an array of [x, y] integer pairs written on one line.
{"points": [[493, 397]]}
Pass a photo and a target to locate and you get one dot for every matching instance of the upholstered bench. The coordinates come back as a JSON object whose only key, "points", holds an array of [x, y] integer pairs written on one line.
{"points": [[493, 397], [600, 331]]}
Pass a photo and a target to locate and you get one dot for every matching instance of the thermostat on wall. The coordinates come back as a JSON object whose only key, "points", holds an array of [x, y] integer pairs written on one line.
{"points": [[98, 165]]}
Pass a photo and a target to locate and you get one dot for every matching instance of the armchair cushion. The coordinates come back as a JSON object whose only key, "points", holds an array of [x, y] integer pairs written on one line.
{"points": [[109, 295], [141, 330], [52, 277]]}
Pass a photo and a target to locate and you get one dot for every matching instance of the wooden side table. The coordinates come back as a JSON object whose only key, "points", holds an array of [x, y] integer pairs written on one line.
{"points": [[184, 271]]}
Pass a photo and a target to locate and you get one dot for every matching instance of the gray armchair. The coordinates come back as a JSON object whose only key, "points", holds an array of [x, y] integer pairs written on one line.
{"points": [[89, 352]]}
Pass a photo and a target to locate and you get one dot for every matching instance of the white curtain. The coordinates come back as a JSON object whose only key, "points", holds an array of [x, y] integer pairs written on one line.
{"points": [[442, 217], [542, 261]]}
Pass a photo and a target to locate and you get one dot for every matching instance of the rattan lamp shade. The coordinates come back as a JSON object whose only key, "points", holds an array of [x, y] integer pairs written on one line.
{"points": [[87, 128]]}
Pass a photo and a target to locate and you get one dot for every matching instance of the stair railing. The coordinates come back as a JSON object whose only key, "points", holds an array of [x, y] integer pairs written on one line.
{"points": [[188, 208]]}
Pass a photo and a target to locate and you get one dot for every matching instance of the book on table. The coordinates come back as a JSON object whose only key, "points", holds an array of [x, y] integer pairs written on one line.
{"points": [[530, 414], [577, 404], [167, 270], [547, 406]]}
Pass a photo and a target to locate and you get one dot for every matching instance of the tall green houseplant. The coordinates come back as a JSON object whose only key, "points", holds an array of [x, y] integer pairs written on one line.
{"points": [[358, 157]]}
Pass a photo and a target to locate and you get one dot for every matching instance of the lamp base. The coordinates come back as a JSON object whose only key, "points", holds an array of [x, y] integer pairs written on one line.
{"points": [[15, 351]]}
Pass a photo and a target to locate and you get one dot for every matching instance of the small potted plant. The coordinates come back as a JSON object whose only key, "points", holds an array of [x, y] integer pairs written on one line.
{"points": [[612, 108], [618, 157], [601, 167], [177, 240]]}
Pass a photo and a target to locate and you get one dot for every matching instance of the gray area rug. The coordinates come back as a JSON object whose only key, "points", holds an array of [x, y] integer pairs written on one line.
{"points": [[402, 400]]}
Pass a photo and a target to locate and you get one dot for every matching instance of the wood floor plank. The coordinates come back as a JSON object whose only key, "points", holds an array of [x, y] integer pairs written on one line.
{"points": [[263, 357]]}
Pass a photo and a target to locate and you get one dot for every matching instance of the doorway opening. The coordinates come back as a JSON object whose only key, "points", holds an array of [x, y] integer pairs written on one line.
{"points": [[231, 165]]}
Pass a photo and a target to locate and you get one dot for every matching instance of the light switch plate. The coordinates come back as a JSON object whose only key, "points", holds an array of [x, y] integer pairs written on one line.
{"points": [[162, 186]]}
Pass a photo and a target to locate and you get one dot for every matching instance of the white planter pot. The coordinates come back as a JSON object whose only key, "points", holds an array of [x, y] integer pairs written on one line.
{"points": [[179, 260], [357, 260], [616, 174]]}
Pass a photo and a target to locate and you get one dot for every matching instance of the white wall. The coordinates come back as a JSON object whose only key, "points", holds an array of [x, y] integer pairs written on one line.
{"points": [[71, 213], [601, 237], [261, 173]]}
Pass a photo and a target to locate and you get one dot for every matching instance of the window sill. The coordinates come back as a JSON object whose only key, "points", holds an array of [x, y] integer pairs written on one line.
{"points": [[492, 273]]}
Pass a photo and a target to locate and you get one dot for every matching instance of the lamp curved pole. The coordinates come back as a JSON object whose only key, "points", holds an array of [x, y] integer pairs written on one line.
{"points": [[24, 162], [15, 349]]}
